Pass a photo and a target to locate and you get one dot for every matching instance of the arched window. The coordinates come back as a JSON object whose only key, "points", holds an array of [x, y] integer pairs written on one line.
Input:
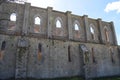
{"points": [[69, 54], [111, 55], [3, 46], [92, 31], [2, 49], [37, 21], [106, 35], [77, 30], [12, 22], [93, 55], [58, 24], [39, 55], [13, 17], [76, 27]]}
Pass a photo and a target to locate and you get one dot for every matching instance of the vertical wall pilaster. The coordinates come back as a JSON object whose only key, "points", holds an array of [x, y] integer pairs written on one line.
{"points": [[26, 19], [87, 33], [21, 58], [22, 47], [69, 24], [100, 30], [114, 34], [49, 23]]}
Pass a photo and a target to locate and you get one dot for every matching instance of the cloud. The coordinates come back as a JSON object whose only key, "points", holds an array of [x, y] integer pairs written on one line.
{"points": [[113, 6]]}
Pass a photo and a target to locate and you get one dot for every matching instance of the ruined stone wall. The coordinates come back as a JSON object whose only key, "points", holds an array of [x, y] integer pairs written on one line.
{"points": [[48, 49]]}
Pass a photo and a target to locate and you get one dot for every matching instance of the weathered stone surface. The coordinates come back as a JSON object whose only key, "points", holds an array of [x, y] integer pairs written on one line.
{"points": [[24, 58]]}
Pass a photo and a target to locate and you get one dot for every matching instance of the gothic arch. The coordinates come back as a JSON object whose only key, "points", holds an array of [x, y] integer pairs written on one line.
{"points": [[77, 30], [37, 20], [37, 23], [2, 49], [76, 25], [92, 31], [58, 22], [111, 55], [107, 33], [12, 22], [58, 27], [13, 17]]}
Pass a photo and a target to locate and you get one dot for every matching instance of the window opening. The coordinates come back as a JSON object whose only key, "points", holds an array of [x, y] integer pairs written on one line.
{"points": [[58, 24], [3, 46], [92, 32], [111, 54], [39, 51], [2, 49], [37, 21], [12, 22], [76, 27], [106, 35], [69, 54], [93, 56], [13, 17]]}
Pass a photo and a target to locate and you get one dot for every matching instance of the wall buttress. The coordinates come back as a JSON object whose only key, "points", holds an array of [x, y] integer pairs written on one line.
{"points": [[26, 19]]}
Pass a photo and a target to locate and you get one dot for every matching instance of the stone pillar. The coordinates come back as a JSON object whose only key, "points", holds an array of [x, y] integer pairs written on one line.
{"points": [[49, 23], [101, 37], [86, 60], [69, 24], [114, 34], [4, 19], [87, 31], [26, 19], [21, 58]]}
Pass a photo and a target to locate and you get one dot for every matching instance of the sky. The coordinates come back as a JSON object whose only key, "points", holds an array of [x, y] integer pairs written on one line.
{"points": [[107, 10]]}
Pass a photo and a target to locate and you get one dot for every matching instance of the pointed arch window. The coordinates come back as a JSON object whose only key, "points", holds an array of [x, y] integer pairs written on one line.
{"points": [[3, 46], [2, 49], [37, 23], [13, 17], [69, 54], [76, 27], [58, 24], [93, 55], [77, 30], [106, 35], [111, 55], [39, 55], [92, 31], [12, 22]]}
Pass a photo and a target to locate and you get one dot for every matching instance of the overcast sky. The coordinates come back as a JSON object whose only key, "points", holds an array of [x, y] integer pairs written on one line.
{"points": [[107, 10]]}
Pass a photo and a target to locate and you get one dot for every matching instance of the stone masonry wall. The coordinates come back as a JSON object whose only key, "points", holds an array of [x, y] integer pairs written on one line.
{"points": [[45, 50]]}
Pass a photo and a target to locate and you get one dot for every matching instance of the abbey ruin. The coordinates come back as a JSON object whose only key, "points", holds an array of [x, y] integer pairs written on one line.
{"points": [[44, 43]]}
